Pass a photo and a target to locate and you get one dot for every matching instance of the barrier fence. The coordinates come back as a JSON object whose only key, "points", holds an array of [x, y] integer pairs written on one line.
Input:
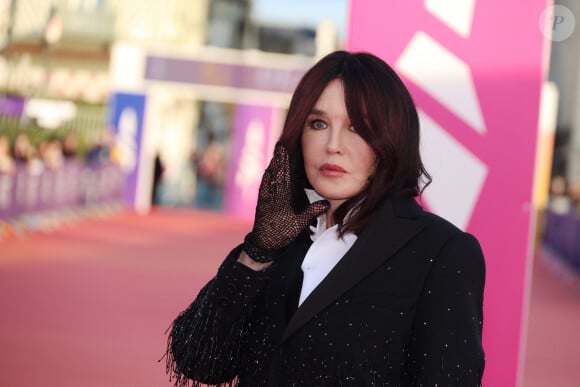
{"points": [[32, 198], [562, 235]]}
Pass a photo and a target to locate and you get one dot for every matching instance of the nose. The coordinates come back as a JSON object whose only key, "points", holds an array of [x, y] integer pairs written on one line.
{"points": [[334, 141]]}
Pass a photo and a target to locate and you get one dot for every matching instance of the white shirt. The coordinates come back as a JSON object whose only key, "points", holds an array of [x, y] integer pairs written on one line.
{"points": [[325, 252]]}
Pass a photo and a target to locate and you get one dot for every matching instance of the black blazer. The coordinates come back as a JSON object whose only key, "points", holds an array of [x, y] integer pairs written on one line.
{"points": [[403, 307]]}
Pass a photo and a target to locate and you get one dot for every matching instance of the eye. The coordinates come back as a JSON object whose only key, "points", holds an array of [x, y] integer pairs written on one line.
{"points": [[317, 124]]}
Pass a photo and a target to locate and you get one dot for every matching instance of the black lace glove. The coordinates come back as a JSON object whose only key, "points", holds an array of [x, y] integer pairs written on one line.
{"points": [[276, 223]]}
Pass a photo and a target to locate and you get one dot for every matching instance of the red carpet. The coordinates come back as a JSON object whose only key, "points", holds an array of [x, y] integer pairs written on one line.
{"points": [[553, 346], [88, 305]]}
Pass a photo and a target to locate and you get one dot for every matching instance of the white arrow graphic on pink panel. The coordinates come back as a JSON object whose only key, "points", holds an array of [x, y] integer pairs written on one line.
{"points": [[455, 14], [446, 159], [449, 80], [444, 76]]}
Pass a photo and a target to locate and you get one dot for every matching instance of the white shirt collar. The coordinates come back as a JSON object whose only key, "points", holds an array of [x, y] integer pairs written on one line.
{"points": [[326, 251], [320, 227]]}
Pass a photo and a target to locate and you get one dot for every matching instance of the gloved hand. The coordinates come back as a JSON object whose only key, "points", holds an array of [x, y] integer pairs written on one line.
{"points": [[276, 223]]}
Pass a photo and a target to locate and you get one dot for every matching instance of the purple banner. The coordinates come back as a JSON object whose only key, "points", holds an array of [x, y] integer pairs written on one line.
{"points": [[222, 74], [127, 118], [561, 235], [11, 105], [73, 185]]}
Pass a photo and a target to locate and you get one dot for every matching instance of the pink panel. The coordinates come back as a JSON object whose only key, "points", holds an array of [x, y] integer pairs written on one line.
{"points": [[503, 49], [252, 141]]}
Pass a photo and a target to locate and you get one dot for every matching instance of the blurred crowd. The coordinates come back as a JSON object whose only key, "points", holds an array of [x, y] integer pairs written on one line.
{"points": [[564, 195], [51, 152]]}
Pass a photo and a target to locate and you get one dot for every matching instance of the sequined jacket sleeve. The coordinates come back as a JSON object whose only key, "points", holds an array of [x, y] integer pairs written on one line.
{"points": [[206, 340], [446, 344]]}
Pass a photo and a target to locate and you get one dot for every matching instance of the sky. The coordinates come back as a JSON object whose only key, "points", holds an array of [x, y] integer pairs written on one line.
{"points": [[301, 13]]}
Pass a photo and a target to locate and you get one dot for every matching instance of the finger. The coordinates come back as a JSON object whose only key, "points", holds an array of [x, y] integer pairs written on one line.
{"points": [[271, 175], [282, 171], [266, 183], [318, 207], [313, 210]]}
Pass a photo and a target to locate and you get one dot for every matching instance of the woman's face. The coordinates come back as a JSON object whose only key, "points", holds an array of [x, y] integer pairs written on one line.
{"points": [[4, 145], [338, 162]]}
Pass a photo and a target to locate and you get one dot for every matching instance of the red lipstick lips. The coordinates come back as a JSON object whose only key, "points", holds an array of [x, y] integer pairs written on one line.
{"points": [[331, 170]]}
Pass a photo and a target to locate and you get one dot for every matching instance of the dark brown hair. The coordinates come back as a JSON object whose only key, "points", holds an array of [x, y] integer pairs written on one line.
{"points": [[383, 112]]}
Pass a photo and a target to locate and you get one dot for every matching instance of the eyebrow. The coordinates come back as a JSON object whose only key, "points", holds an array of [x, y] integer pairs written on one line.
{"points": [[317, 112]]}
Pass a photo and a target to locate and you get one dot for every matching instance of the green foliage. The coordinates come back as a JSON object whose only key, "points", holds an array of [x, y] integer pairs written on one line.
{"points": [[87, 125]]}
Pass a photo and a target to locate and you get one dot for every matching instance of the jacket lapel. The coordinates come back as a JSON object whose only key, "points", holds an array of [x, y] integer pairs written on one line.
{"points": [[395, 223], [290, 269]]}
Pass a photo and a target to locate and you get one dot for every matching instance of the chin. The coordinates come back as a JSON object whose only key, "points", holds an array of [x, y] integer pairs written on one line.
{"points": [[331, 194]]}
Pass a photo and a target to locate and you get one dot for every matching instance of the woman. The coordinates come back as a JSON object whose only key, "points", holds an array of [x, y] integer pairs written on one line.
{"points": [[7, 165], [359, 288]]}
